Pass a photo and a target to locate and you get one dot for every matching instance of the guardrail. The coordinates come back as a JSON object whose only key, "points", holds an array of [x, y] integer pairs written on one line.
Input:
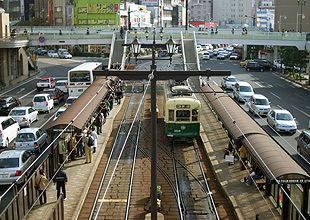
{"points": [[58, 212]]}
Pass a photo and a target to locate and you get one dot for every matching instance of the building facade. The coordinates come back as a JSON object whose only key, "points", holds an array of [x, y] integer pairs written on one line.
{"points": [[62, 12], [292, 15], [265, 15], [200, 10], [19, 10]]}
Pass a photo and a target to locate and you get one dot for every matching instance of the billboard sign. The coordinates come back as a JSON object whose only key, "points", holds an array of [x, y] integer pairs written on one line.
{"points": [[140, 19], [149, 3]]}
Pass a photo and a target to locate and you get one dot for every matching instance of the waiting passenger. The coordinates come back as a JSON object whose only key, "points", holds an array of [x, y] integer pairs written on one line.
{"points": [[254, 175]]}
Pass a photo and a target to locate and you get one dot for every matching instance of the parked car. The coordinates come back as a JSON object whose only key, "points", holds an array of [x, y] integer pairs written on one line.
{"points": [[52, 53], [254, 66], [221, 56], [234, 56], [56, 94], [259, 105], [303, 144], [40, 51], [278, 64], [206, 56], [62, 85], [282, 120], [24, 115], [59, 112], [42, 103], [61, 50], [65, 55], [210, 53], [242, 91], [266, 64], [7, 104], [45, 82], [13, 163], [70, 100], [228, 82], [9, 128], [31, 139]]}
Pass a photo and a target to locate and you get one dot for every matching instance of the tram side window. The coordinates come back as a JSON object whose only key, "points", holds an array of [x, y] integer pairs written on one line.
{"points": [[183, 115], [171, 115], [194, 115]]}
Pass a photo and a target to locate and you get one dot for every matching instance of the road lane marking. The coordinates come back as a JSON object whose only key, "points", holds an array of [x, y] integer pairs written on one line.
{"points": [[53, 115], [258, 84], [280, 106], [22, 89], [308, 107], [17, 86], [215, 83], [27, 94], [280, 85], [301, 111], [275, 95]]}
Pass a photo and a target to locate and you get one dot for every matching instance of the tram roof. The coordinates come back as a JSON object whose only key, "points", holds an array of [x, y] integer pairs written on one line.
{"points": [[182, 100], [97, 89], [270, 156]]}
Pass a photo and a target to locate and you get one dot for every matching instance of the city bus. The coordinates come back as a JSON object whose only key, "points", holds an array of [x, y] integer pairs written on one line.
{"points": [[81, 77]]}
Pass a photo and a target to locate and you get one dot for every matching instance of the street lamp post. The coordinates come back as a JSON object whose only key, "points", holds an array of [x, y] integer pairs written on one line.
{"points": [[154, 76], [300, 3]]}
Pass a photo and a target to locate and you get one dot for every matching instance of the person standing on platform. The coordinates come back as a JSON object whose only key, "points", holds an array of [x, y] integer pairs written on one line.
{"points": [[40, 184], [61, 179], [88, 143], [243, 157], [62, 150], [72, 146], [94, 136], [98, 122], [80, 145]]}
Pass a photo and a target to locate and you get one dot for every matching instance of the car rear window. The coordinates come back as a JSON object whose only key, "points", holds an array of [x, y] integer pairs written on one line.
{"points": [[9, 162], [25, 137], [18, 112], [43, 81], [60, 83], [39, 99]]}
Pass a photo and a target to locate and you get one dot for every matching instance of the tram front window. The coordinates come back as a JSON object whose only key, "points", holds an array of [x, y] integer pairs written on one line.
{"points": [[194, 115], [171, 115], [183, 115]]}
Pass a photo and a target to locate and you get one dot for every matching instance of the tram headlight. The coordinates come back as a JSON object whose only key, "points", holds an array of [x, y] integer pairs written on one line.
{"points": [[183, 127]]}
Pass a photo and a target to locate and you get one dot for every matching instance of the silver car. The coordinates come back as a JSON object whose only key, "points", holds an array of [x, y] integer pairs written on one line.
{"points": [[13, 163], [31, 139], [24, 115]]}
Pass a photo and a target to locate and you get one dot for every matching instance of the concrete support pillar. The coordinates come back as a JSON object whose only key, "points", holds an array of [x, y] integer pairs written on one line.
{"points": [[308, 71], [275, 52], [245, 52]]}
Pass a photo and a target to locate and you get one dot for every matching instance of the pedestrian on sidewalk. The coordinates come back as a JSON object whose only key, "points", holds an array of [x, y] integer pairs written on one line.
{"points": [[40, 184], [80, 145], [61, 179], [72, 146], [88, 143], [94, 136], [98, 122]]}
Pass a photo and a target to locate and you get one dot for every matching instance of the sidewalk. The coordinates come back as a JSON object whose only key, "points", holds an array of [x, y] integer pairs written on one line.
{"points": [[247, 200], [80, 176], [303, 83]]}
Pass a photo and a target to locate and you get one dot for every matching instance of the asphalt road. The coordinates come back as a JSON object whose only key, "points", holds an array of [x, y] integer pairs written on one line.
{"points": [[281, 93]]}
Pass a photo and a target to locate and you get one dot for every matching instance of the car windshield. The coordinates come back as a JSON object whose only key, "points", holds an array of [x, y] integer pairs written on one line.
{"points": [[245, 89], [261, 102], [25, 137], [43, 81], [39, 99], [284, 117], [231, 79], [18, 112], [9, 162]]}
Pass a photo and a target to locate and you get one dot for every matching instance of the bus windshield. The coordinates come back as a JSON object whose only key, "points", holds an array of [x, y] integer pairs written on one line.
{"points": [[79, 76]]}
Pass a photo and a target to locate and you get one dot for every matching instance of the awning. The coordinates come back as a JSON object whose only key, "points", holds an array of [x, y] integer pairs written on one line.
{"points": [[81, 110]]}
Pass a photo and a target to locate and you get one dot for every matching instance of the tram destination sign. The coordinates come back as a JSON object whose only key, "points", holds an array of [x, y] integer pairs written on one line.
{"points": [[297, 181]]}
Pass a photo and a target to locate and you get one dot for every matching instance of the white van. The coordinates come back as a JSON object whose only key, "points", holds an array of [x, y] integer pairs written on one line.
{"points": [[8, 130], [242, 91], [42, 103]]}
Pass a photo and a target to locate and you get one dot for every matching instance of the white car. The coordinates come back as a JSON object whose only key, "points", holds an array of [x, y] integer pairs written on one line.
{"points": [[52, 53], [206, 56], [24, 115], [9, 128], [282, 120], [65, 55], [228, 82], [259, 105], [42, 103], [70, 100], [59, 112], [45, 82], [62, 85], [242, 91]]}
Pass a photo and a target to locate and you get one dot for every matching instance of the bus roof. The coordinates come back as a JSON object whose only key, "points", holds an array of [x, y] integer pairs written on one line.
{"points": [[86, 66]]}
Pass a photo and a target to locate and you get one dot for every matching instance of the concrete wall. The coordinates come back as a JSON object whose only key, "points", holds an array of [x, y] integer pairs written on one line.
{"points": [[4, 25]]}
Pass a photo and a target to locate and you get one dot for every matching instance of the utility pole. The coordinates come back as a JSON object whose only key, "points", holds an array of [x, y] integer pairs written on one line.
{"points": [[186, 15]]}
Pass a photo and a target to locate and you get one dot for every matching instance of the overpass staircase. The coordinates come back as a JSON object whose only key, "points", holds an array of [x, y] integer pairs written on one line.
{"points": [[117, 56], [189, 51]]}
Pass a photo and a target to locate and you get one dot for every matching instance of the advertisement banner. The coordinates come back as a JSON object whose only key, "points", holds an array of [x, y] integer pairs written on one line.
{"points": [[140, 19]]}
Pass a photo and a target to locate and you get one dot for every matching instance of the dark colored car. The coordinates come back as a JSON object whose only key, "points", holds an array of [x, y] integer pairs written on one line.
{"points": [[56, 94], [303, 144], [254, 66], [266, 64], [7, 104]]}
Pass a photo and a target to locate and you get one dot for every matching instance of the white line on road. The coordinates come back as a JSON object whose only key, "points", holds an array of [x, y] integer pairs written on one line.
{"points": [[215, 82], [308, 107], [17, 86], [22, 89], [27, 94], [301, 111], [48, 120], [275, 95], [279, 106], [278, 84], [258, 84]]}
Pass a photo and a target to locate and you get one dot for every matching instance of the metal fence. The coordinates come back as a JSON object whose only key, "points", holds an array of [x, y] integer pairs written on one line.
{"points": [[58, 212]]}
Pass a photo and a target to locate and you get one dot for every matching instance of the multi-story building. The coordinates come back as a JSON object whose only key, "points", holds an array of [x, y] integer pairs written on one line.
{"points": [[41, 9], [19, 10], [62, 12], [265, 15], [200, 10], [234, 12], [292, 15]]}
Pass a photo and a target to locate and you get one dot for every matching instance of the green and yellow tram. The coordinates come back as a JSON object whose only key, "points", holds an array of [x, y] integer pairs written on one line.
{"points": [[182, 117]]}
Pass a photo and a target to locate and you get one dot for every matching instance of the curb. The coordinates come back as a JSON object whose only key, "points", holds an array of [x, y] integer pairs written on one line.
{"points": [[306, 87], [94, 168]]}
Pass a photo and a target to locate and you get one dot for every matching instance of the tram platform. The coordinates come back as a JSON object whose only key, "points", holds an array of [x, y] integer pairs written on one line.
{"points": [[79, 175], [248, 202]]}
